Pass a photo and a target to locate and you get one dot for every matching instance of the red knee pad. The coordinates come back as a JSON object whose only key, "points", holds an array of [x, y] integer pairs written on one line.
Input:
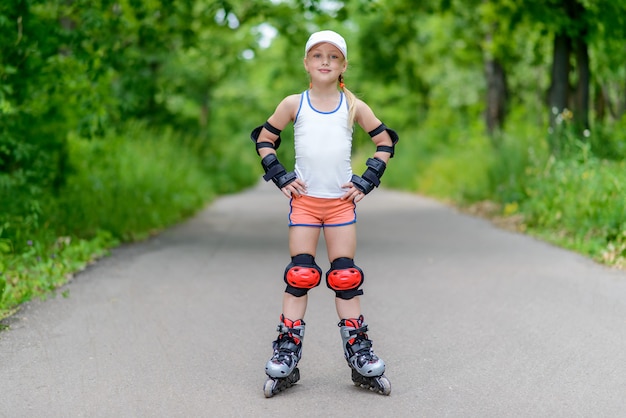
{"points": [[302, 274], [345, 278], [305, 277]]}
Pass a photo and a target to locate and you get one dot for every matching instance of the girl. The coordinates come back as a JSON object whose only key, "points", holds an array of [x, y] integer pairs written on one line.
{"points": [[323, 194]]}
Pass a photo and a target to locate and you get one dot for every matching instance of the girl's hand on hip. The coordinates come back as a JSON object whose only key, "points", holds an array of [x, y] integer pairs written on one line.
{"points": [[352, 193], [295, 189]]}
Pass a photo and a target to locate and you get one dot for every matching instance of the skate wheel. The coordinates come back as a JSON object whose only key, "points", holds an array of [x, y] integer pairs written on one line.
{"points": [[384, 385], [268, 388], [295, 376]]}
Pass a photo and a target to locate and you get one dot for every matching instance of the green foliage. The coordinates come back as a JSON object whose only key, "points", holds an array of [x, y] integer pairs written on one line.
{"points": [[609, 140], [48, 90]]}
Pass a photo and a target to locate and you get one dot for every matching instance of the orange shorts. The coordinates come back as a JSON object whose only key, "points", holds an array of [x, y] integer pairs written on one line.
{"points": [[321, 212]]}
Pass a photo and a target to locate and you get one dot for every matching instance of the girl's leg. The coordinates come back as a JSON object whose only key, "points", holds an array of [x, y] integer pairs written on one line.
{"points": [[341, 242], [367, 368], [302, 240], [350, 308], [294, 307]]}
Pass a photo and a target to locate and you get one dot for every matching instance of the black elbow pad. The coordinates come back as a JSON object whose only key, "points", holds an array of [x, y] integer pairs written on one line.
{"points": [[394, 139], [254, 136]]}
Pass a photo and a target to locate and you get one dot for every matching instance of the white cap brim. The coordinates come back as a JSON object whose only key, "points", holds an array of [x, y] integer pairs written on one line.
{"points": [[327, 36]]}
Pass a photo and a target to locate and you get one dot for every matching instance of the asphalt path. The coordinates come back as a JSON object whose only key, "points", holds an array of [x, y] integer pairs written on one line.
{"points": [[472, 321]]}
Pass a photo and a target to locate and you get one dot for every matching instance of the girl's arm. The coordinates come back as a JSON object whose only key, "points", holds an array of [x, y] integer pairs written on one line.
{"points": [[285, 112], [367, 120], [362, 185]]}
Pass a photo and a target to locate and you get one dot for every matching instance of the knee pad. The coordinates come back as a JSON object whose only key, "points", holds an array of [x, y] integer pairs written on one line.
{"points": [[345, 278], [302, 274]]}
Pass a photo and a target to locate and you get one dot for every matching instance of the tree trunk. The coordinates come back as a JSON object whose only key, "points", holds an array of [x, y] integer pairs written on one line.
{"points": [[495, 76], [559, 88], [581, 110], [496, 96], [599, 103], [621, 105]]}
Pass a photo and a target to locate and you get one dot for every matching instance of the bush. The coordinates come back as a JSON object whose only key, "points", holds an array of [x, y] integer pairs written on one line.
{"points": [[579, 203], [119, 185], [444, 159]]}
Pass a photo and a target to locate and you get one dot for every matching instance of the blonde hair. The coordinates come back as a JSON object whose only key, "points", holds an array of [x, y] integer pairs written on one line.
{"points": [[351, 98]]}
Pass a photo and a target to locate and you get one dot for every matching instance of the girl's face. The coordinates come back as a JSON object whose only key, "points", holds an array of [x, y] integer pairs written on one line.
{"points": [[325, 62]]}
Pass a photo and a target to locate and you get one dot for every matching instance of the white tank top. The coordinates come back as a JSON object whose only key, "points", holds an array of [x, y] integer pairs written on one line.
{"points": [[323, 144]]}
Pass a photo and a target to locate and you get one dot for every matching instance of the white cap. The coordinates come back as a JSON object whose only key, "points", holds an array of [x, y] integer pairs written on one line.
{"points": [[327, 36]]}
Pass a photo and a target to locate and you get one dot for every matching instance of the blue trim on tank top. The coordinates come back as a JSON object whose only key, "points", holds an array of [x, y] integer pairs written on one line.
{"points": [[308, 99], [299, 108], [341, 95]]}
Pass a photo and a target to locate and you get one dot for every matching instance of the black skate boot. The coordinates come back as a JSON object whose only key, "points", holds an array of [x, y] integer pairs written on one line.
{"points": [[281, 369], [367, 369]]}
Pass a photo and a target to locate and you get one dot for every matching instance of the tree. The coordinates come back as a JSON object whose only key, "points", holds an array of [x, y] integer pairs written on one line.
{"points": [[571, 38], [578, 27]]}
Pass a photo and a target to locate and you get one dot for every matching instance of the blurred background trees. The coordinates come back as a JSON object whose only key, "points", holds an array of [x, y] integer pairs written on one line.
{"points": [[485, 94], [87, 66]]}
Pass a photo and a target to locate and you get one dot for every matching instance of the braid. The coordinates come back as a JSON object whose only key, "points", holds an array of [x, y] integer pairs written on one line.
{"points": [[351, 98]]}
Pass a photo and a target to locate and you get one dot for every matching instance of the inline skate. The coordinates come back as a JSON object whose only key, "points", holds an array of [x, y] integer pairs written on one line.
{"points": [[281, 368], [367, 369]]}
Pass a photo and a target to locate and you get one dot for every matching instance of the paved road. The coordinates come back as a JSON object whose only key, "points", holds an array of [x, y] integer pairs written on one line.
{"points": [[472, 321]]}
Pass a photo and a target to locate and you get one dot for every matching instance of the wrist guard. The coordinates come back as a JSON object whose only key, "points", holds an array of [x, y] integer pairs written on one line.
{"points": [[275, 171], [371, 176]]}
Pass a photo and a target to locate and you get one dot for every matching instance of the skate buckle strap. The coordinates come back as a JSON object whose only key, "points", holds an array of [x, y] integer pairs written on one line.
{"points": [[361, 346], [349, 333], [284, 329], [286, 345]]}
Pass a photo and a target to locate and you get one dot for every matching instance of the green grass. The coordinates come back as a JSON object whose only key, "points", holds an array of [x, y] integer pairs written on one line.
{"points": [[44, 267]]}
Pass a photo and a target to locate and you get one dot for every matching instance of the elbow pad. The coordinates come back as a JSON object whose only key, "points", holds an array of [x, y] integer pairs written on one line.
{"points": [[371, 177], [254, 136], [394, 139]]}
